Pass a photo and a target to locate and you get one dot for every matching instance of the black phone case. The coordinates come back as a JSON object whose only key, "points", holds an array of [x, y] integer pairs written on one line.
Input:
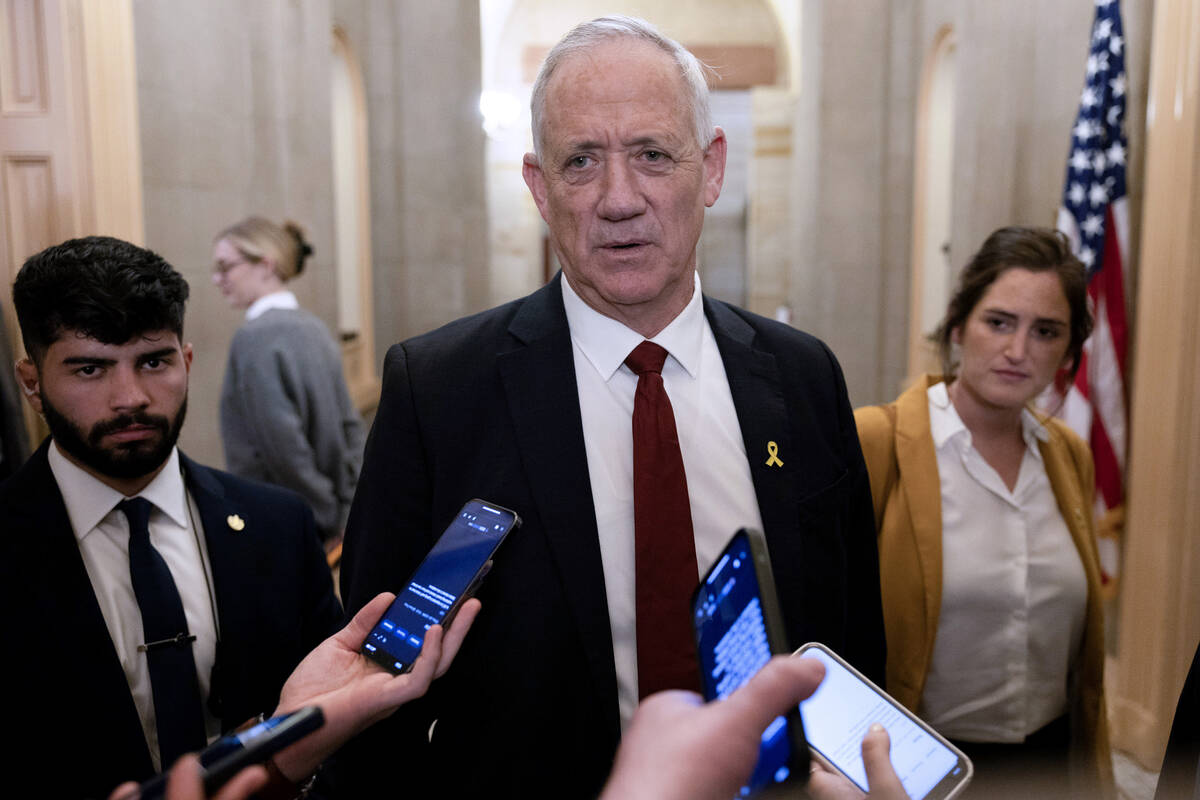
{"points": [[776, 639]]}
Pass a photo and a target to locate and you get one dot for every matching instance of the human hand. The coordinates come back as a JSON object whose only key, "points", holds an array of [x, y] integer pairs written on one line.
{"points": [[826, 784], [355, 692], [185, 783], [680, 747]]}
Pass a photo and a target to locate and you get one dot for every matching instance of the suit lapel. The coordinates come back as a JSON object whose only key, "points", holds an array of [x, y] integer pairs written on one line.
{"points": [[538, 376], [232, 563], [757, 390], [59, 587]]}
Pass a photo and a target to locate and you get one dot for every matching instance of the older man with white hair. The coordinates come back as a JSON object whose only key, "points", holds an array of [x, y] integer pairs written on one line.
{"points": [[632, 422]]}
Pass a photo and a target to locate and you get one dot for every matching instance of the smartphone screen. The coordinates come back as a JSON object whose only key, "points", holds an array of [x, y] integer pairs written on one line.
{"points": [[443, 581], [836, 718], [737, 630]]}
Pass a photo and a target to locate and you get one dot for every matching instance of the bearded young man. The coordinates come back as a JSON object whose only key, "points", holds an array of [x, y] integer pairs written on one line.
{"points": [[151, 603]]}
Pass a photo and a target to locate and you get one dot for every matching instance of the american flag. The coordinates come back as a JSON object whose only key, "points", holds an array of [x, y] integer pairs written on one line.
{"points": [[1095, 215]]}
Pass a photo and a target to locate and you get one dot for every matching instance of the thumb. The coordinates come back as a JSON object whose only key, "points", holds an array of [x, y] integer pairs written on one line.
{"points": [[881, 777], [355, 633]]}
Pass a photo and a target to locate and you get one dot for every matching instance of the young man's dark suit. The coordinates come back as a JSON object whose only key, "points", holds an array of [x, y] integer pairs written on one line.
{"points": [[487, 407], [74, 726]]}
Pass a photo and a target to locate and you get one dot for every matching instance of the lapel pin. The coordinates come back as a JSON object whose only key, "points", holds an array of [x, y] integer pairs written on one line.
{"points": [[773, 452], [235, 522]]}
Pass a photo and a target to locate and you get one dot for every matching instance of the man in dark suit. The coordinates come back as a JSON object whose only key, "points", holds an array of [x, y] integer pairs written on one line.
{"points": [[1179, 778], [236, 566], [530, 406]]}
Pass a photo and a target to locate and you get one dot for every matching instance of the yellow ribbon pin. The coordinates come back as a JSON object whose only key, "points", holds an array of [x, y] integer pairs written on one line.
{"points": [[773, 452], [235, 522]]}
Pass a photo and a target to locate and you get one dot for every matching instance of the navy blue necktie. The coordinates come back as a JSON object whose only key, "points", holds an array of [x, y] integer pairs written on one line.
{"points": [[168, 646]]}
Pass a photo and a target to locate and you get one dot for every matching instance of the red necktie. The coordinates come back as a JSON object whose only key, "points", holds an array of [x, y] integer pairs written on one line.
{"points": [[665, 570]]}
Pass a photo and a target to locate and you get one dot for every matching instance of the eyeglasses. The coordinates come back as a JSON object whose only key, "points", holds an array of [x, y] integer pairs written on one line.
{"points": [[225, 267]]}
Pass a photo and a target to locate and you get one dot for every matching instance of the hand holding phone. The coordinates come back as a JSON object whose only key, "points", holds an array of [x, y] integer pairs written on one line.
{"points": [[447, 578], [230, 754], [738, 629], [839, 714]]}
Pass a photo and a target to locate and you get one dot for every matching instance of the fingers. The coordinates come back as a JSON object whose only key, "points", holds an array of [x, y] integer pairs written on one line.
{"points": [[881, 776], [242, 785], [183, 782], [425, 667], [824, 784], [457, 633], [775, 689], [354, 634], [126, 791]]}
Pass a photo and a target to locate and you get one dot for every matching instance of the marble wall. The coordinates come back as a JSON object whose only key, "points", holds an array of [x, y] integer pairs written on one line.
{"points": [[1020, 69], [235, 113], [428, 207], [234, 105]]}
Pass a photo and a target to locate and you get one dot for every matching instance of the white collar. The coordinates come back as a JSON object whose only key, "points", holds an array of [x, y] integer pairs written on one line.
{"points": [[606, 342], [281, 299], [89, 500], [945, 423]]}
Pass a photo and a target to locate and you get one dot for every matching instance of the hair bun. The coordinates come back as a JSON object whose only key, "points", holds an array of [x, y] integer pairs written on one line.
{"points": [[303, 248]]}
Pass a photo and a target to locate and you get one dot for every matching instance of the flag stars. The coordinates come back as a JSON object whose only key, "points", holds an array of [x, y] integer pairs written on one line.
{"points": [[1076, 194], [1083, 130], [1118, 85], [1097, 62], [1089, 97], [1116, 153], [1088, 256], [1093, 225], [1097, 195], [1080, 160], [1103, 30], [1115, 44], [1114, 115], [1099, 162]]}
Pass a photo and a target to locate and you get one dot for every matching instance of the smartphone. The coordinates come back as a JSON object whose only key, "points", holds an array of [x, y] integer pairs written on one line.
{"points": [[230, 754], [738, 628], [836, 718], [445, 580]]}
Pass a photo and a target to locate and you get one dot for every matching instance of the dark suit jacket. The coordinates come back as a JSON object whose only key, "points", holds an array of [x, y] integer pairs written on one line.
{"points": [[487, 407], [75, 726], [1180, 775]]}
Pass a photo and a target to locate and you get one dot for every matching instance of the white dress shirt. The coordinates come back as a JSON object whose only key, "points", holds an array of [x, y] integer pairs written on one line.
{"points": [[1014, 592], [281, 299], [103, 535], [720, 489]]}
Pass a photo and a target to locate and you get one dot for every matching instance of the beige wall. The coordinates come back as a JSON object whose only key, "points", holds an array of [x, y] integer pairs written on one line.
{"points": [[1020, 72], [235, 119], [429, 215]]}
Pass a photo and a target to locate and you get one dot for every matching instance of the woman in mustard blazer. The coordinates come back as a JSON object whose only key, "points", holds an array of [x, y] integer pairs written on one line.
{"points": [[988, 562]]}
